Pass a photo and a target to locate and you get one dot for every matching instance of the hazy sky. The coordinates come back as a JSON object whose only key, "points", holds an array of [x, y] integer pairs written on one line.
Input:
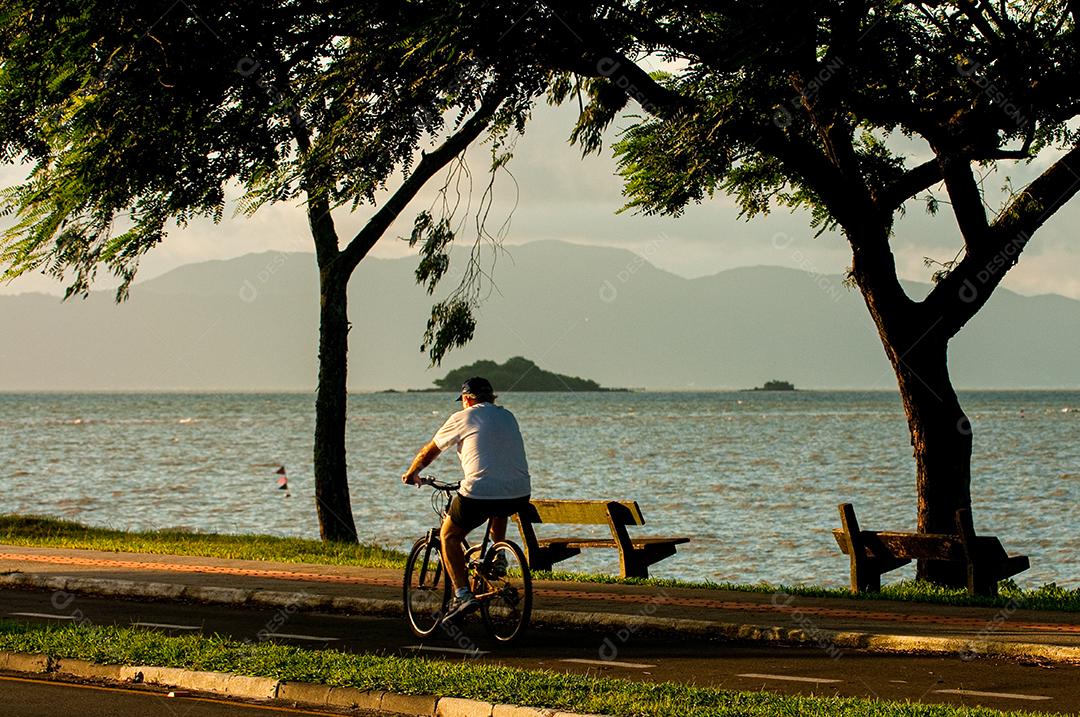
{"points": [[561, 196]]}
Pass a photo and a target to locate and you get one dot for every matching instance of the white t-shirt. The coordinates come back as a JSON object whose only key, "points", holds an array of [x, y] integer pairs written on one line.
{"points": [[488, 442]]}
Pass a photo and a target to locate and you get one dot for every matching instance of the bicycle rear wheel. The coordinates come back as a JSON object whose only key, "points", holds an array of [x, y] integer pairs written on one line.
{"points": [[426, 588], [508, 582]]}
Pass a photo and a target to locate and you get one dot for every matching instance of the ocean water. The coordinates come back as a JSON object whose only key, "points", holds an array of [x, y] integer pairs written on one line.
{"points": [[753, 477]]}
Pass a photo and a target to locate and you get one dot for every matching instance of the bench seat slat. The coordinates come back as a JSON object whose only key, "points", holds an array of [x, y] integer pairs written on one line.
{"points": [[607, 542], [910, 546], [923, 546], [917, 546]]}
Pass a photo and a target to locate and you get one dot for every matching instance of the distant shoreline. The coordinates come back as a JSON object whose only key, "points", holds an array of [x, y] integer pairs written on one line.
{"points": [[519, 390], [377, 391]]}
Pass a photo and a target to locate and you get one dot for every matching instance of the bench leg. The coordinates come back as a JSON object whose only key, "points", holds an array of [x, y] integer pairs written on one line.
{"points": [[981, 582], [866, 572], [543, 558], [538, 559], [863, 576], [635, 563]]}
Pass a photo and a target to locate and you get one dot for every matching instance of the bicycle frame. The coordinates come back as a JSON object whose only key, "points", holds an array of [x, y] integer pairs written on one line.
{"points": [[425, 576]]}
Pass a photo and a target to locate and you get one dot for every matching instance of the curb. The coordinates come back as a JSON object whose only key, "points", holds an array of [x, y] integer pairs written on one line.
{"points": [[618, 623], [266, 689]]}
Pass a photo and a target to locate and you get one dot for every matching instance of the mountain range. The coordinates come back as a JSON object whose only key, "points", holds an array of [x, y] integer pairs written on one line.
{"points": [[251, 324]]}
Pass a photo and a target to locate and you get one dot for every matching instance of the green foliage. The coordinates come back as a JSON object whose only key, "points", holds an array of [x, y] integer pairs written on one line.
{"points": [[128, 131], [451, 325], [605, 102], [434, 237], [798, 88], [666, 167]]}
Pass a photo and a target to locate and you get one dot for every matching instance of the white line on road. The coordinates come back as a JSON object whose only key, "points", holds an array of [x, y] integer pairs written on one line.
{"points": [[1006, 695], [43, 614], [453, 650], [786, 678], [166, 626], [312, 638], [613, 663]]}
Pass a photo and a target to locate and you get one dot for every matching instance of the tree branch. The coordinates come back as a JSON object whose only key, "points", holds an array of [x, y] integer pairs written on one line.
{"points": [[320, 219], [915, 180], [429, 164], [1074, 9], [966, 199], [651, 96], [1030, 209], [966, 289]]}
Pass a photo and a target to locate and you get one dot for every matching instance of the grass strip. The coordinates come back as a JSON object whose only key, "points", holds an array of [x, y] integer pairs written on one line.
{"points": [[1048, 597], [45, 532], [41, 531], [414, 675]]}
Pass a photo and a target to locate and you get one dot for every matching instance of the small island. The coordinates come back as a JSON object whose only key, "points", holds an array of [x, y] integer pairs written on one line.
{"points": [[517, 374], [776, 386]]}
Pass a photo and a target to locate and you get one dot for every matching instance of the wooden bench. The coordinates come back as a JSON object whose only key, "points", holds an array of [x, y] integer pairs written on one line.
{"points": [[635, 554], [875, 552]]}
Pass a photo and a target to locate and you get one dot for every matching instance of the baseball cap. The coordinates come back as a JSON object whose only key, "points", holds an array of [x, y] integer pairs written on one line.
{"points": [[477, 386]]}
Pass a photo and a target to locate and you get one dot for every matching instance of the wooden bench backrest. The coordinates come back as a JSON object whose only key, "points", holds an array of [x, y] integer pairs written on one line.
{"points": [[919, 546], [583, 512]]}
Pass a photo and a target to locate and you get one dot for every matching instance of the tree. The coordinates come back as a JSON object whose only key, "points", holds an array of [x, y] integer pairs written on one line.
{"points": [[134, 115], [811, 105]]}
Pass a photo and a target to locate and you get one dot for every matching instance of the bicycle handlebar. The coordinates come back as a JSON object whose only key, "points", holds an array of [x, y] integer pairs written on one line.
{"points": [[436, 484]]}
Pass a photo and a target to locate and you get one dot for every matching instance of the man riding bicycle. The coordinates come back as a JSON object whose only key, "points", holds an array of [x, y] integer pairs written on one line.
{"points": [[496, 480]]}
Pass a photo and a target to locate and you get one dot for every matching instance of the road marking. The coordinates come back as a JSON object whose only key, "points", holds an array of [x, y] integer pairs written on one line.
{"points": [[613, 663], [1006, 695], [452, 650], [786, 678], [166, 626], [312, 638], [43, 614]]}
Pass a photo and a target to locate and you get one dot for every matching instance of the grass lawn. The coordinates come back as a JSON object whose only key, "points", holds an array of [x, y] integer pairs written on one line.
{"points": [[38, 531], [51, 532], [412, 675]]}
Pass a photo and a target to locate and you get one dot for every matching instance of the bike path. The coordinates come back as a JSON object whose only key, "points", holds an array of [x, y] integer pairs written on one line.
{"points": [[768, 617]]}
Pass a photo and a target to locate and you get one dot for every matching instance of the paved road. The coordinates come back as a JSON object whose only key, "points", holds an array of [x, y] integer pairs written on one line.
{"points": [[22, 697], [997, 683], [328, 582]]}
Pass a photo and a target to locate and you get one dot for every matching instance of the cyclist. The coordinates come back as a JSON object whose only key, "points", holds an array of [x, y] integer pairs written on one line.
{"points": [[495, 484]]}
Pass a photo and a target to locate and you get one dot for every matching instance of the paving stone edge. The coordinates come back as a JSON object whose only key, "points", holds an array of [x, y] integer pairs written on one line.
{"points": [[267, 689], [825, 639]]}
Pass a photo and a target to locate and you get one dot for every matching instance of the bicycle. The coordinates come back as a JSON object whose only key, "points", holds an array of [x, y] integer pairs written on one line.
{"points": [[498, 576]]}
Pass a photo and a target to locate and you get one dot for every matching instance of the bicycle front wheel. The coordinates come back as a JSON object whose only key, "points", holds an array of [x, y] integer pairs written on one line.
{"points": [[508, 583], [426, 588]]}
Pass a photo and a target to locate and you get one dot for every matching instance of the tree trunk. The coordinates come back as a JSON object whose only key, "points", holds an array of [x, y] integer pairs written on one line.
{"points": [[941, 438], [331, 480], [916, 343]]}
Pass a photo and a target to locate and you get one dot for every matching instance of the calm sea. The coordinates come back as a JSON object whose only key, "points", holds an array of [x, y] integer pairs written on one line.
{"points": [[755, 478]]}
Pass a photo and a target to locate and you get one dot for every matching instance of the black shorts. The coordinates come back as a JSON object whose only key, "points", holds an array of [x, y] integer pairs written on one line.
{"points": [[469, 513]]}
